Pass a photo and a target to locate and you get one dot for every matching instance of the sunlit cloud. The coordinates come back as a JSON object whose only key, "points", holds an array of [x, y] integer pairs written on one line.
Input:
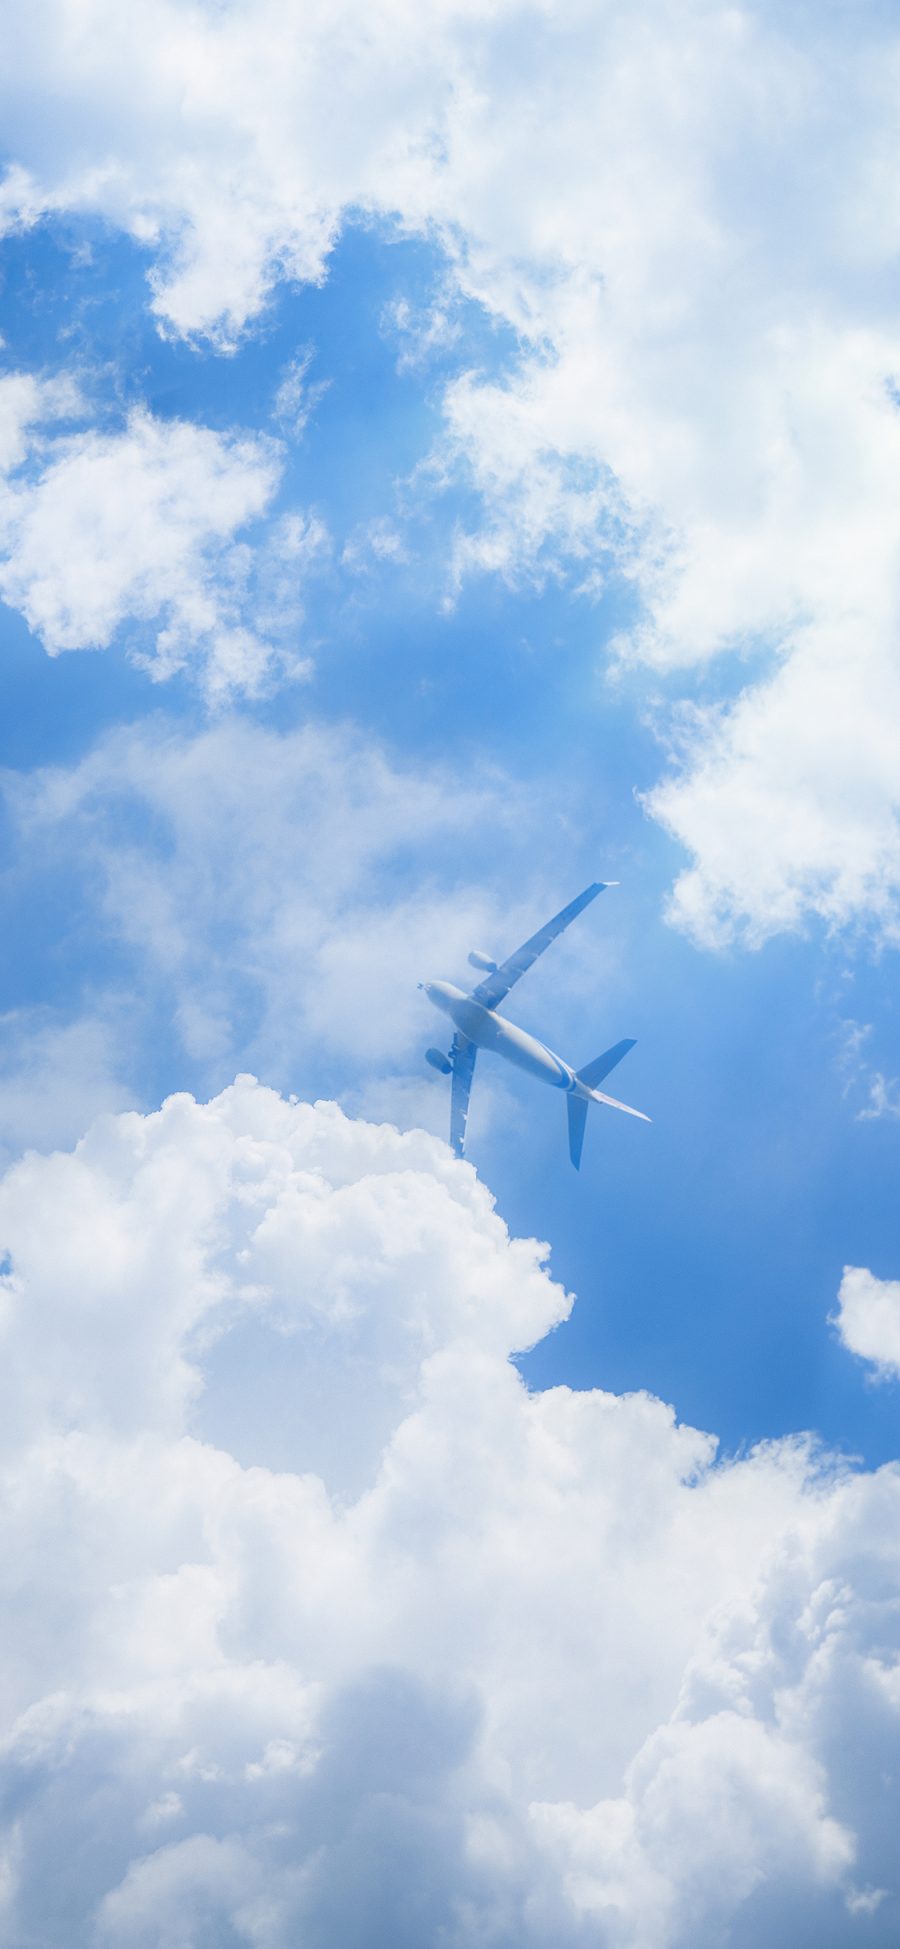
{"points": [[431, 1643]]}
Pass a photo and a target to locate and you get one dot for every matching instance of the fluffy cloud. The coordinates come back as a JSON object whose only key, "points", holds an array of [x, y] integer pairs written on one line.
{"points": [[247, 134], [709, 411], [475, 1666], [137, 528], [688, 216], [789, 803], [868, 1319]]}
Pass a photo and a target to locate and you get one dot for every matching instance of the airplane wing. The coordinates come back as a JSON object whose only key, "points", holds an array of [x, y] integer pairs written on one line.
{"points": [[496, 986], [462, 1056]]}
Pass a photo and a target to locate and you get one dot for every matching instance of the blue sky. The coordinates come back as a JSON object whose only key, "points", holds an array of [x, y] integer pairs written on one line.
{"points": [[707, 1262], [408, 515]]}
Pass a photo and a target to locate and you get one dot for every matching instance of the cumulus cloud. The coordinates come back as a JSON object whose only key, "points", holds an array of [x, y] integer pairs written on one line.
{"points": [[868, 1319], [140, 530], [688, 217], [475, 1665]]}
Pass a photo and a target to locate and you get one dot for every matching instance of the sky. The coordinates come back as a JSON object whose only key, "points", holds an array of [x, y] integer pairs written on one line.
{"points": [[448, 455]]}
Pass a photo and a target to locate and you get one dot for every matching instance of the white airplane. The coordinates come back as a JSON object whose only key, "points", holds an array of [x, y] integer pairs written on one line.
{"points": [[478, 1026]]}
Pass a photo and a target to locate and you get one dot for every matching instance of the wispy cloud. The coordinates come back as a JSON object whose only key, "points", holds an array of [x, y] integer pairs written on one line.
{"points": [[881, 1093], [297, 397]]}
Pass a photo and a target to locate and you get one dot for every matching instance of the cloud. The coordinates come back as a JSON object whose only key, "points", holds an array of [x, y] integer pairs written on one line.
{"points": [[276, 896], [137, 530], [296, 398], [788, 798], [707, 413], [882, 1093], [55, 1076], [868, 1319], [243, 142], [475, 1665], [688, 219], [28, 401], [884, 1098]]}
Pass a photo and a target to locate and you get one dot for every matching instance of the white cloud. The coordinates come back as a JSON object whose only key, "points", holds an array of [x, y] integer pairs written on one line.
{"points": [[476, 1666], [868, 1319], [138, 529], [27, 402], [689, 217], [789, 801], [709, 411], [244, 138]]}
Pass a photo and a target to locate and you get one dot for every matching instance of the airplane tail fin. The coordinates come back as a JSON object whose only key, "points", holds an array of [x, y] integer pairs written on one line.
{"points": [[594, 1072], [577, 1107]]}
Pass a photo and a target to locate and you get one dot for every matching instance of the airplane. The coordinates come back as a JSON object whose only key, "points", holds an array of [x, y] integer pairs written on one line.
{"points": [[478, 1026]]}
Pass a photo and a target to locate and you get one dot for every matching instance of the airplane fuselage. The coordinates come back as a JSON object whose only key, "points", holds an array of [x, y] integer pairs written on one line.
{"points": [[488, 1030]]}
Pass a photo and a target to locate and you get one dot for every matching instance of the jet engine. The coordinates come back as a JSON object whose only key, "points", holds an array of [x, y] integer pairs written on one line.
{"points": [[438, 1061], [479, 960]]}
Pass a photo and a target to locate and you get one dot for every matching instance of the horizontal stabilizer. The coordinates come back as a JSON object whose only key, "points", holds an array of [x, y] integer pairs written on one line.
{"points": [[594, 1072], [614, 1104]]}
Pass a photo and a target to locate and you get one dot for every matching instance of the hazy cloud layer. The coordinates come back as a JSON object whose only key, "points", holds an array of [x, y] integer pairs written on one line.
{"points": [[688, 214], [275, 897], [475, 1667], [56, 1076]]}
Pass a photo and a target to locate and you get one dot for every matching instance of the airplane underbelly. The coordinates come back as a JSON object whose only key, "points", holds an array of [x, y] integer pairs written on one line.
{"points": [[490, 1031], [526, 1052]]}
